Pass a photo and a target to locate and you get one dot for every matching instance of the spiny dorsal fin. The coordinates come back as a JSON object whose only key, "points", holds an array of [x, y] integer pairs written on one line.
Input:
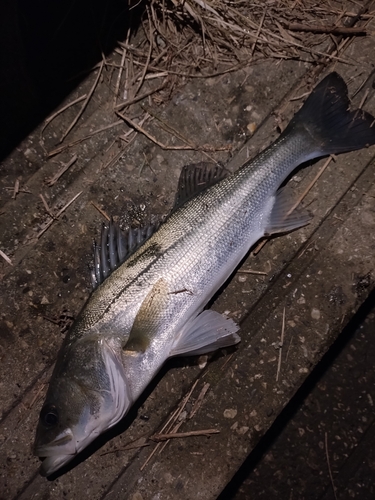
{"points": [[195, 178], [149, 318], [115, 248]]}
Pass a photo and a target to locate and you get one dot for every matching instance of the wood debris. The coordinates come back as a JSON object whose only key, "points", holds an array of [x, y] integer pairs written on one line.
{"points": [[177, 418], [86, 101], [170, 435], [5, 257], [329, 465], [163, 146], [204, 39], [133, 445], [333, 30], [104, 214], [56, 216], [65, 166], [251, 271], [16, 189], [280, 346]]}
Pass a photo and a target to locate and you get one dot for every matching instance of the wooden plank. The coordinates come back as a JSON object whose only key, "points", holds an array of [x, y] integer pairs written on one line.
{"points": [[64, 251], [307, 262], [320, 290]]}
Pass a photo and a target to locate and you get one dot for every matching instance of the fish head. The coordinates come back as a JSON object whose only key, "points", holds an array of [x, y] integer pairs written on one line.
{"points": [[87, 395]]}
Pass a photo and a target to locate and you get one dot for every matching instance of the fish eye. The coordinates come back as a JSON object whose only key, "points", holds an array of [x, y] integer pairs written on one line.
{"points": [[49, 416]]}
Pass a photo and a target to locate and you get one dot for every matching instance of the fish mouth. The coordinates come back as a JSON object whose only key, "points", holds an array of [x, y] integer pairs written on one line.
{"points": [[56, 453], [62, 450], [64, 443], [52, 463]]}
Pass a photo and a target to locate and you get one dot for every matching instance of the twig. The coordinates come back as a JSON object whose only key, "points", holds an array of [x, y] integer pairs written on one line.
{"points": [[125, 104], [320, 172], [298, 97], [106, 216], [5, 257], [48, 210], [308, 49], [164, 146], [147, 61], [199, 401], [175, 132], [281, 347], [124, 138], [151, 76], [181, 407], [251, 271], [58, 150], [164, 437], [51, 320], [332, 30], [228, 358], [233, 68], [364, 99], [85, 103], [289, 346], [117, 88], [49, 224], [170, 422], [174, 429], [130, 446], [118, 155], [65, 166], [27, 191], [307, 247], [167, 127], [259, 246], [52, 117], [138, 128], [329, 465], [257, 34], [362, 84], [16, 189]]}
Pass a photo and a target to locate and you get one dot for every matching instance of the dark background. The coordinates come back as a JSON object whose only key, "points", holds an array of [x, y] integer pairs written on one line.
{"points": [[46, 48]]}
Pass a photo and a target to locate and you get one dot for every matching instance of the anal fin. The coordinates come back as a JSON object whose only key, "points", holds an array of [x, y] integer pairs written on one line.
{"points": [[284, 217], [206, 333]]}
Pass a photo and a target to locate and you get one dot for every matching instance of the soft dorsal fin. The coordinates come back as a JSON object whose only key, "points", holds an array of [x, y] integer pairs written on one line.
{"points": [[195, 178], [115, 248], [149, 318]]}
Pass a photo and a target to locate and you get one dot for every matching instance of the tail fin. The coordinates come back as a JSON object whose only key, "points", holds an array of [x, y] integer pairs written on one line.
{"points": [[326, 117]]}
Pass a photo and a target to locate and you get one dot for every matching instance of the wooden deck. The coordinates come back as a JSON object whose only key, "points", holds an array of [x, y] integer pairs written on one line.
{"points": [[315, 278]]}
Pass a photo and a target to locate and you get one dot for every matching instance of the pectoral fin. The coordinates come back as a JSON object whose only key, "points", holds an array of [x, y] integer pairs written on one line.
{"points": [[206, 333], [149, 318], [284, 217]]}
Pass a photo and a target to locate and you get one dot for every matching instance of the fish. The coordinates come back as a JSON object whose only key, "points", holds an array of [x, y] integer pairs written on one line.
{"points": [[151, 285]]}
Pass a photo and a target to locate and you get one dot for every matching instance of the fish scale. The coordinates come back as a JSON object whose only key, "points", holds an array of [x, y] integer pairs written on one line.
{"points": [[152, 306], [204, 240]]}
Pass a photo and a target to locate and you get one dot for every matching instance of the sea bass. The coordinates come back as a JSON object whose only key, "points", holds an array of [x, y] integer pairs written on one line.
{"points": [[151, 289]]}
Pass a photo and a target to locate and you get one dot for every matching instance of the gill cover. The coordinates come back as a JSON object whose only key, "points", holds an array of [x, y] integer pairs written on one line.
{"points": [[87, 395]]}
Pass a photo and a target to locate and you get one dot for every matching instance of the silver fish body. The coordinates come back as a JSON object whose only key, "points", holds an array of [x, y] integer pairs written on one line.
{"points": [[150, 307]]}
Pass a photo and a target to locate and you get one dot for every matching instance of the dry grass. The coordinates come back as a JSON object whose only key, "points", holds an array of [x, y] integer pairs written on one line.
{"points": [[183, 39], [195, 37]]}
